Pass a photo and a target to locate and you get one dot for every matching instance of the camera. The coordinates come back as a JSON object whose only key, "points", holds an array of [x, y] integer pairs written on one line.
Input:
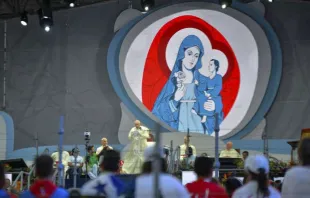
{"points": [[87, 135]]}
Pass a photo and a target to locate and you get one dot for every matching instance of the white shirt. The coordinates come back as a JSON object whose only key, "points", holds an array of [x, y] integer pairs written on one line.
{"points": [[169, 186], [65, 158], [79, 160], [99, 149], [183, 150], [250, 190], [105, 185], [230, 153], [296, 183]]}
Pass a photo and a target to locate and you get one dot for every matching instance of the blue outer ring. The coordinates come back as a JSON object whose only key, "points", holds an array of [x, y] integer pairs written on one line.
{"points": [[273, 84]]}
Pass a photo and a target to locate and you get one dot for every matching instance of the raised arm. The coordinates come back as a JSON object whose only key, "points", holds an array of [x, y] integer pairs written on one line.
{"points": [[144, 132]]}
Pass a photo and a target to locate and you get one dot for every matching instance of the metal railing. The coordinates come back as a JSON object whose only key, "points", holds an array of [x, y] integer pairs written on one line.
{"points": [[174, 161]]}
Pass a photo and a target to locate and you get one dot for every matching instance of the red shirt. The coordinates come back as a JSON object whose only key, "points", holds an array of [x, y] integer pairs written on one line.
{"points": [[204, 189]]}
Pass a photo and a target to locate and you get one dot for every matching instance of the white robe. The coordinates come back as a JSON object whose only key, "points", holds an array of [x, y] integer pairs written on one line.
{"points": [[133, 158]]}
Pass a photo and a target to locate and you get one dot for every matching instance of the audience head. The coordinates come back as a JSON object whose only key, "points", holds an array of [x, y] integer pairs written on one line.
{"points": [[149, 158], [44, 166], [104, 141], [258, 168], [232, 184], [229, 145], [110, 161], [137, 124], [245, 154], [2, 176], [304, 151], [203, 167], [74, 192], [204, 155]]}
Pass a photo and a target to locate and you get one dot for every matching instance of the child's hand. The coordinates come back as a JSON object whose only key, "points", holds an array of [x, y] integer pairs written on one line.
{"points": [[207, 94], [196, 82]]}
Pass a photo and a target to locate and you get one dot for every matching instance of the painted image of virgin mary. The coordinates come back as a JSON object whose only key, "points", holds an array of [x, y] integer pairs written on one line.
{"points": [[176, 100]]}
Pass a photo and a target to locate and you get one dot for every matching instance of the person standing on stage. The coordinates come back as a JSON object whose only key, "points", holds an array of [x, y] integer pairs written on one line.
{"points": [[229, 152], [133, 159], [104, 146]]}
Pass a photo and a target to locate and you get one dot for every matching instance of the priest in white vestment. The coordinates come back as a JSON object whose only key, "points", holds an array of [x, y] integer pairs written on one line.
{"points": [[133, 158]]}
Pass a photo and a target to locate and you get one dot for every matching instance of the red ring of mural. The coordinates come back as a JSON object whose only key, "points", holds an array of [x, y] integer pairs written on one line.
{"points": [[156, 71]]}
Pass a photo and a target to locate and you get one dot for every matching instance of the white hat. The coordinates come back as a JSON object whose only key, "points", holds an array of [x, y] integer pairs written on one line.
{"points": [[256, 162], [149, 153]]}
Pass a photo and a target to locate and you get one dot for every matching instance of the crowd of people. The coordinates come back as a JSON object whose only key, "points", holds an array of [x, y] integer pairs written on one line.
{"points": [[108, 184]]}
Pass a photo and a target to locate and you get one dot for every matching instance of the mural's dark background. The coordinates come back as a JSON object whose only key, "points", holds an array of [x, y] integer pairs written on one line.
{"points": [[64, 72]]}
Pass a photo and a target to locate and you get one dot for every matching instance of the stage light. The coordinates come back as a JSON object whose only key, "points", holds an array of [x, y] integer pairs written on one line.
{"points": [[270, 1], [225, 3], [46, 15], [47, 28], [147, 4], [71, 3], [24, 19]]}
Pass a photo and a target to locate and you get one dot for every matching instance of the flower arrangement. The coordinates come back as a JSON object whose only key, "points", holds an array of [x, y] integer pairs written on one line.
{"points": [[7, 167], [277, 167]]}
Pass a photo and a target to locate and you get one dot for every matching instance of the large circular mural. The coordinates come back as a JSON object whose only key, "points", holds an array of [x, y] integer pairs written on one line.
{"points": [[189, 66]]}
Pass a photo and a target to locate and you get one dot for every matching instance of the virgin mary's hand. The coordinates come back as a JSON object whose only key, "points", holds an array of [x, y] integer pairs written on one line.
{"points": [[180, 92], [209, 105]]}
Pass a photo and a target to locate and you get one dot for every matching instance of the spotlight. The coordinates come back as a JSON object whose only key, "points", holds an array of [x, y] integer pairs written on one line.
{"points": [[147, 4], [47, 28], [24, 19], [270, 1], [45, 19], [225, 3], [71, 3]]}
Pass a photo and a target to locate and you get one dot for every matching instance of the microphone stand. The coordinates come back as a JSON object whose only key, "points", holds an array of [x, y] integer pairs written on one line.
{"points": [[187, 149], [217, 162], [75, 168], [60, 165]]}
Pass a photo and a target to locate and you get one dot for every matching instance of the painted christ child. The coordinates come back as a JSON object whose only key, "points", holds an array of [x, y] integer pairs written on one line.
{"points": [[208, 88]]}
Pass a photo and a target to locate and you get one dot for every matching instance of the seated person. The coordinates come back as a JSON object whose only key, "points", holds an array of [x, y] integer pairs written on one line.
{"points": [[91, 162], [229, 152], [191, 152], [79, 162], [65, 159]]}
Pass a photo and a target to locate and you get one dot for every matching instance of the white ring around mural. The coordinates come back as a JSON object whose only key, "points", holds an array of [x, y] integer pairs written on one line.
{"points": [[209, 53]]}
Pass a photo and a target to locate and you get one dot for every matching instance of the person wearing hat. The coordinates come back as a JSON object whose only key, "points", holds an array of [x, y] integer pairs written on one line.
{"points": [[169, 186], [258, 185]]}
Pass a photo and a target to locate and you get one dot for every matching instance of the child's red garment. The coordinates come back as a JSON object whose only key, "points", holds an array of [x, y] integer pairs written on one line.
{"points": [[202, 189]]}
